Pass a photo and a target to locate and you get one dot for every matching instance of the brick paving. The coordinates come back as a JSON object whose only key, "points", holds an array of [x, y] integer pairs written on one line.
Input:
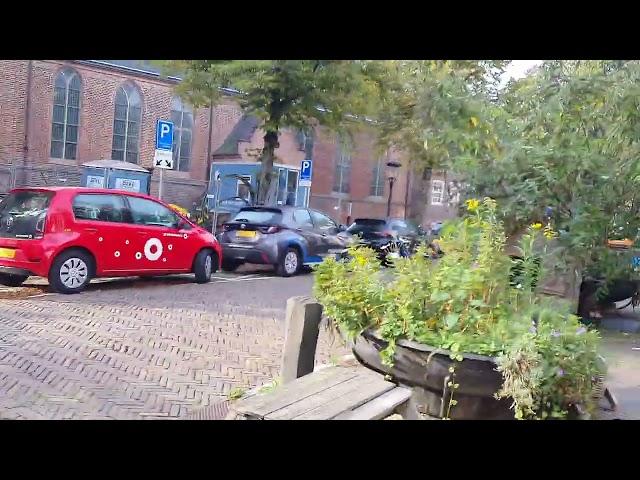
{"points": [[142, 350]]}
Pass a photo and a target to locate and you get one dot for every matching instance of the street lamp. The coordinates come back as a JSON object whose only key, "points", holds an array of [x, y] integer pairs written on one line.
{"points": [[392, 176]]}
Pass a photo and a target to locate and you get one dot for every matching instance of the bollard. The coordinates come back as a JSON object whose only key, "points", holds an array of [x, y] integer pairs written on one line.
{"points": [[301, 337]]}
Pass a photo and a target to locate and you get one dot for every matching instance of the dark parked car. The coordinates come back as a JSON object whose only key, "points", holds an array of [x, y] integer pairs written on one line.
{"points": [[285, 237], [376, 232]]}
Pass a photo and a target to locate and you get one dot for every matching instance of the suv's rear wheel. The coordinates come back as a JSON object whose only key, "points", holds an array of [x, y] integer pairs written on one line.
{"points": [[205, 263], [290, 263], [10, 280], [71, 272]]}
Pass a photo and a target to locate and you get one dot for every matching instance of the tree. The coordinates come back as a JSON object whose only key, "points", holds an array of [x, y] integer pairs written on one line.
{"points": [[297, 94], [435, 110], [570, 140]]}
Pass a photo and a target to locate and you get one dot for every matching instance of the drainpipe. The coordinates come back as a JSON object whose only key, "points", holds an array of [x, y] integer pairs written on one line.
{"points": [[209, 144], [27, 112], [406, 192]]}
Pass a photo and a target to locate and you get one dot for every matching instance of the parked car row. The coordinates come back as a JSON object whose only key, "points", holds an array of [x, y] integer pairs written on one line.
{"points": [[71, 235]]}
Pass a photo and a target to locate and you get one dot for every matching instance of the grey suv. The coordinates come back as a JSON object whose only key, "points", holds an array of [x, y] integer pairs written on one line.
{"points": [[285, 237]]}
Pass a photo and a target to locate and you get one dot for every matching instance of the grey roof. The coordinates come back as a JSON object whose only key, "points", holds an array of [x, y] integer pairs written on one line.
{"points": [[116, 164], [140, 66], [242, 132]]}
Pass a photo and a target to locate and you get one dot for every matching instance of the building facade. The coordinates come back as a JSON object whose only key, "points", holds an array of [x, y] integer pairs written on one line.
{"points": [[56, 115]]}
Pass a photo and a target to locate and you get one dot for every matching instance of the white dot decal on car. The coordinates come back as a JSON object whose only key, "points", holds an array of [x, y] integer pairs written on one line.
{"points": [[164, 259], [170, 247], [138, 255], [117, 254], [152, 253], [126, 242], [185, 236], [99, 239]]}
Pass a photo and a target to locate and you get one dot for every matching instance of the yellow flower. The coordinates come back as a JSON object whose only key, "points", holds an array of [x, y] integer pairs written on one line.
{"points": [[472, 204], [549, 233], [536, 226], [361, 260]]}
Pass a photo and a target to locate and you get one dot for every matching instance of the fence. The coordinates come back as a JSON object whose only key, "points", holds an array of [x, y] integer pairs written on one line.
{"points": [[17, 174], [183, 192]]}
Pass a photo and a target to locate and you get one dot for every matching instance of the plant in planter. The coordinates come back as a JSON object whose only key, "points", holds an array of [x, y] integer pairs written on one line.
{"points": [[479, 341]]}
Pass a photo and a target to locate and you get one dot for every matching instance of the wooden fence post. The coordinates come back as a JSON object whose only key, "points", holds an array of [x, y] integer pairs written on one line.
{"points": [[301, 337]]}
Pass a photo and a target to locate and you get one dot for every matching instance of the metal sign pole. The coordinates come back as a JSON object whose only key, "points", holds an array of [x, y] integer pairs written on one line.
{"points": [[216, 198], [160, 186], [214, 226]]}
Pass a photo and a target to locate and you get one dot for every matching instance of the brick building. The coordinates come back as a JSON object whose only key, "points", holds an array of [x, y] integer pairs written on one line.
{"points": [[56, 115]]}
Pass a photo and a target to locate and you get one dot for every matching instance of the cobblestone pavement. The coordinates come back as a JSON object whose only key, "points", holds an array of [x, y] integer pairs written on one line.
{"points": [[133, 349]]}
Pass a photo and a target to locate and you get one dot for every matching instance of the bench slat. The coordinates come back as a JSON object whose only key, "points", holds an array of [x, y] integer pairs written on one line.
{"points": [[379, 407], [259, 406], [333, 401]]}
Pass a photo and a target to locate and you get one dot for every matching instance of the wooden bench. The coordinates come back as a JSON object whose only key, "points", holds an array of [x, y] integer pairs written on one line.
{"points": [[340, 392], [332, 393]]}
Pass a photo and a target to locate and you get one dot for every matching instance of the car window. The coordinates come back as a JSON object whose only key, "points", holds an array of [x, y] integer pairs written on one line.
{"points": [[148, 212], [100, 207], [260, 216], [367, 227], [322, 222], [22, 214], [402, 227], [302, 218]]}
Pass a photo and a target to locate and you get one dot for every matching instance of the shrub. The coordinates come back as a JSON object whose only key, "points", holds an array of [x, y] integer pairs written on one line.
{"points": [[470, 301]]}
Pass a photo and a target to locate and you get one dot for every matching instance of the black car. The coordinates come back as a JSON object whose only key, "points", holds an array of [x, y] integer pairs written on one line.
{"points": [[286, 237], [390, 236]]}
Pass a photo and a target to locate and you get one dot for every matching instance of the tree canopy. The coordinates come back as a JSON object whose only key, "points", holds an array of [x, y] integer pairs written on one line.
{"points": [[297, 94]]}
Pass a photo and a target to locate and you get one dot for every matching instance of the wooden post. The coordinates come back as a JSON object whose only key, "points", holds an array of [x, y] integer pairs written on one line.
{"points": [[301, 337]]}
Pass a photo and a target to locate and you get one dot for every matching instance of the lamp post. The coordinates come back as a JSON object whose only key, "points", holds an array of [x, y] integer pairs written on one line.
{"points": [[392, 172]]}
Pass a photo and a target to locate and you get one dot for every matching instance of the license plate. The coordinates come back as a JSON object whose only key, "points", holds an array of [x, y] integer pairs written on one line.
{"points": [[246, 233], [7, 253]]}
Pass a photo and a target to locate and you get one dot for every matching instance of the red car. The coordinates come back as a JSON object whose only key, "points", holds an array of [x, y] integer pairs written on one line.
{"points": [[71, 235]]}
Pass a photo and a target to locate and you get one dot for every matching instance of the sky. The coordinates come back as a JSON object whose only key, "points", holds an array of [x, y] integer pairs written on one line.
{"points": [[518, 68]]}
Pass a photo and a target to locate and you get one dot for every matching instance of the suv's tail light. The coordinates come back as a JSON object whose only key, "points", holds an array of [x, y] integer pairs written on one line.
{"points": [[271, 229]]}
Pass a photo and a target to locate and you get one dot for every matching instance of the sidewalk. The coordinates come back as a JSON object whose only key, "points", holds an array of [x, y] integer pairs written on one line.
{"points": [[622, 352]]}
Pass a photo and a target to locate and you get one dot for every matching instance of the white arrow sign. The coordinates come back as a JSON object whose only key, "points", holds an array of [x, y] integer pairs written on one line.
{"points": [[163, 159]]}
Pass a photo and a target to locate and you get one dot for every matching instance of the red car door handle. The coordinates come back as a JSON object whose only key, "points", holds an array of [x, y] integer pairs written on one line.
{"points": [[91, 230], [142, 233]]}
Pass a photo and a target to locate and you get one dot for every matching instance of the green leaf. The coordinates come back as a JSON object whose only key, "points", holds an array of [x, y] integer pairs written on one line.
{"points": [[451, 320], [440, 296]]}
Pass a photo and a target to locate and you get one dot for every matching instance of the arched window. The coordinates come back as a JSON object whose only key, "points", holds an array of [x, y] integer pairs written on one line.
{"points": [[126, 124], [66, 115], [182, 118], [342, 176], [377, 176]]}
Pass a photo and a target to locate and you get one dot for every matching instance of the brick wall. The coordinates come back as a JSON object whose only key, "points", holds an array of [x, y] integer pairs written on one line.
{"points": [[99, 85], [13, 94], [358, 202]]}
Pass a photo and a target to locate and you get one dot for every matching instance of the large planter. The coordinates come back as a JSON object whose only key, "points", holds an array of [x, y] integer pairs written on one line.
{"points": [[476, 376]]}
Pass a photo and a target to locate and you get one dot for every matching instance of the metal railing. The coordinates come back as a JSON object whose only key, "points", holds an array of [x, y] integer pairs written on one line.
{"points": [[18, 174]]}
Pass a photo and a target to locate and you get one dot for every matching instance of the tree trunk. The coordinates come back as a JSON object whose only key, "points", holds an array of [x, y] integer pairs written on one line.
{"points": [[267, 194]]}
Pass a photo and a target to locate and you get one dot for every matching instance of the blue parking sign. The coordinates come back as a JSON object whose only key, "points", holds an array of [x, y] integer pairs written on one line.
{"points": [[306, 167], [164, 135]]}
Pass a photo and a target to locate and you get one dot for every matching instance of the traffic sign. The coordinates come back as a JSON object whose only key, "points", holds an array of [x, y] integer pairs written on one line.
{"points": [[163, 159], [306, 170], [164, 135]]}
